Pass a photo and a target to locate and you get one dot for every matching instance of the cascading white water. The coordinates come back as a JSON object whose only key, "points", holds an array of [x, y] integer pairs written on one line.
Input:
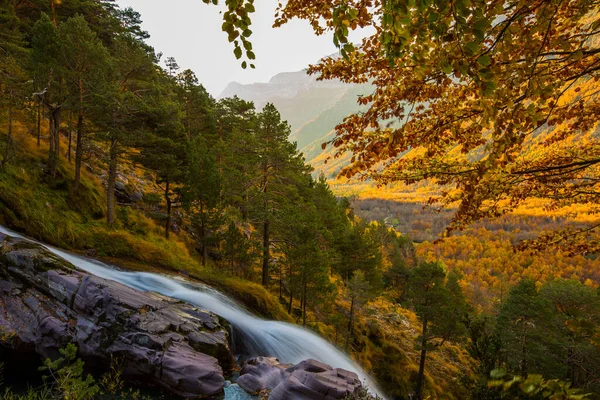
{"points": [[289, 343]]}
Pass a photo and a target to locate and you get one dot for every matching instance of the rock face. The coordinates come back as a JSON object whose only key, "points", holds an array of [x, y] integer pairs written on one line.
{"points": [[307, 380], [45, 303]]}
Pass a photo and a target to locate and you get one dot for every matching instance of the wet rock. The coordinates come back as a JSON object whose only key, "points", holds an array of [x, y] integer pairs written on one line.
{"points": [[91, 253], [262, 373], [45, 303], [307, 380]]}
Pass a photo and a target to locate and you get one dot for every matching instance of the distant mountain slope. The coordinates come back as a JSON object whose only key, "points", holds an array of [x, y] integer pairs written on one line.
{"points": [[312, 108]]}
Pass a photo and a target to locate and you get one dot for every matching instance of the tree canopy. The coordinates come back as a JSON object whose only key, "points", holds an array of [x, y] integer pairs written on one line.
{"points": [[494, 101]]}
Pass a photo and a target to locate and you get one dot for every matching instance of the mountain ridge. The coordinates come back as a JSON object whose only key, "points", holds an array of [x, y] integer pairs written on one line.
{"points": [[312, 107]]}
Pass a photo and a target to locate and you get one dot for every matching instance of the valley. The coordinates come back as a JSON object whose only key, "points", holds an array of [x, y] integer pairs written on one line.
{"points": [[415, 216]]}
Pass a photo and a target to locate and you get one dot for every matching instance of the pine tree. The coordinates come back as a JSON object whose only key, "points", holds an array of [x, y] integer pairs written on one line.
{"points": [[525, 328], [199, 107], [576, 319], [84, 64], [358, 292], [305, 256], [235, 148], [360, 252], [278, 167], [12, 76], [439, 303], [45, 58], [123, 103], [163, 145], [239, 250], [201, 192]]}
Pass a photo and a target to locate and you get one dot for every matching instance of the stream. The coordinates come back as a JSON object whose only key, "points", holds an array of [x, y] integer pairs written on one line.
{"points": [[252, 336]]}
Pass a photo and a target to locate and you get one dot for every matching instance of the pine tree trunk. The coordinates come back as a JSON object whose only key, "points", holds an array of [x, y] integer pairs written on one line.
{"points": [[9, 137], [53, 151], [112, 178], [39, 123], [266, 254], [220, 157], [336, 334], [168, 199], [350, 323], [244, 207], [78, 151], [57, 122], [53, 12], [70, 144], [523, 365], [421, 376], [51, 161], [280, 282], [189, 124], [203, 233], [291, 290], [304, 303], [266, 240]]}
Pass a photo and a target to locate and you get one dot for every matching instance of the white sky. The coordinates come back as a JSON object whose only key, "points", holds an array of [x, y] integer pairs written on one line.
{"points": [[190, 31]]}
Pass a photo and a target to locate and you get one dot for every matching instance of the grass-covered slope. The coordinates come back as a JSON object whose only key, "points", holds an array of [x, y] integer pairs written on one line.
{"points": [[31, 203]]}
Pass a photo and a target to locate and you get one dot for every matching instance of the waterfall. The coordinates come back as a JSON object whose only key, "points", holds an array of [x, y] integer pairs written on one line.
{"points": [[288, 342]]}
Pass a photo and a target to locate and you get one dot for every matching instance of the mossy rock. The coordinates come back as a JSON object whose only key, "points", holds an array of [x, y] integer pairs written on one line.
{"points": [[23, 254]]}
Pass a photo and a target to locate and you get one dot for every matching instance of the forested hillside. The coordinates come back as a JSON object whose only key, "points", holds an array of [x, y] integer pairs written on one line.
{"points": [[111, 150]]}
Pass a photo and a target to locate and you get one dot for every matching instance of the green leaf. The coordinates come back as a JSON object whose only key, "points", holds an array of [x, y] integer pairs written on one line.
{"points": [[471, 48], [498, 373], [388, 19], [528, 387], [484, 60], [479, 34], [237, 52], [481, 24], [433, 17], [446, 67]]}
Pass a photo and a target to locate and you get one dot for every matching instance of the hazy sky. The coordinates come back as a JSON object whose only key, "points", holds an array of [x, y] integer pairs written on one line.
{"points": [[190, 31]]}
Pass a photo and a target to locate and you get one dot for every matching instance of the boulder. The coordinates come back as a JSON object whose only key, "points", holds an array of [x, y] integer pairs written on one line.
{"points": [[262, 373], [119, 185], [46, 303], [136, 196], [307, 380]]}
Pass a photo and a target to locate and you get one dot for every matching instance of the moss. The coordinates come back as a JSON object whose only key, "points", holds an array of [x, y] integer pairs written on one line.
{"points": [[46, 262], [253, 295], [51, 212], [41, 259]]}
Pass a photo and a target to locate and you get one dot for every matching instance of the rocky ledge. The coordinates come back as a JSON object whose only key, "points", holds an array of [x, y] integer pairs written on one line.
{"points": [[46, 303], [307, 380]]}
